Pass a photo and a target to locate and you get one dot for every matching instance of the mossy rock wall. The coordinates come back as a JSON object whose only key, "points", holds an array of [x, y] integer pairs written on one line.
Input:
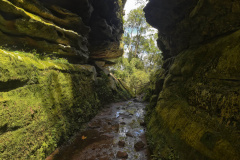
{"points": [[197, 117], [195, 114], [45, 94], [77, 29], [42, 103]]}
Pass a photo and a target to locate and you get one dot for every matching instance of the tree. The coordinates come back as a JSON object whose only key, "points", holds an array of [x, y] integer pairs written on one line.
{"points": [[153, 58], [135, 27], [142, 55]]}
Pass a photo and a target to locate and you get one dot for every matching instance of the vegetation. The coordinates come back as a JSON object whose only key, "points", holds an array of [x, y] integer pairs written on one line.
{"points": [[142, 57], [44, 101]]}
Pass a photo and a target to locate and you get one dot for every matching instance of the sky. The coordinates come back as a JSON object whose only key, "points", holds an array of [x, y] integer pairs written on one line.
{"points": [[130, 5]]}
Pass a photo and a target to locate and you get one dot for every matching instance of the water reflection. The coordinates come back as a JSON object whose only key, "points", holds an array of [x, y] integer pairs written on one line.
{"points": [[123, 131], [139, 132]]}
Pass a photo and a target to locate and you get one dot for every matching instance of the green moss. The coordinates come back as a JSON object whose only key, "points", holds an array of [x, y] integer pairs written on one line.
{"points": [[198, 107], [52, 101], [107, 94], [7, 6], [44, 101], [124, 90]]}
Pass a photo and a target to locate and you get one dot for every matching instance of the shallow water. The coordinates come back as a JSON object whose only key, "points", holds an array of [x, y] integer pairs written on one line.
{"points": [[117, 122]]}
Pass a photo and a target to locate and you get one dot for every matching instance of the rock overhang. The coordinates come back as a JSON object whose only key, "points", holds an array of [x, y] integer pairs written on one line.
{"points": [[81, 30]]}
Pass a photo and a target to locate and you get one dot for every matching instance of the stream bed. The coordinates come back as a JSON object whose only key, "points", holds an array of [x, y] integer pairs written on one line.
{"points": [[116, 132]]}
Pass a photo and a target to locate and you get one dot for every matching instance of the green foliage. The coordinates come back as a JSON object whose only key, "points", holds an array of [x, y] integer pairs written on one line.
{"points": [[123, 91], [135, 28], [103, 89], [132, 73], [143, 57]]}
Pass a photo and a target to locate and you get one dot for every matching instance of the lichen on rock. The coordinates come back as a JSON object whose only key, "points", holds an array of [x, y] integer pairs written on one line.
{"points": [[197, 106]]}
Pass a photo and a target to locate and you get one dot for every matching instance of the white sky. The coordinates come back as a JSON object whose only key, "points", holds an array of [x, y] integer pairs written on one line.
{"points": [[130, 5]]}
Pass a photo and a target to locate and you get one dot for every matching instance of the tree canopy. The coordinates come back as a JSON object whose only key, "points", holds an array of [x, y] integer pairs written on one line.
{"points": [[142, 57]]}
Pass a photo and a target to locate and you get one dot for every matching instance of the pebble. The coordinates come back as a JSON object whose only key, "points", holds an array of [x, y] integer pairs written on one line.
{"points": [[139, 146], [122, 154], [129, 134], [143, 123], [121, 143]]}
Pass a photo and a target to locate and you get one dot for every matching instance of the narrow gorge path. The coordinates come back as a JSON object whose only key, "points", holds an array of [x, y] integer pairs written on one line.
{"points": [[116, 132]]}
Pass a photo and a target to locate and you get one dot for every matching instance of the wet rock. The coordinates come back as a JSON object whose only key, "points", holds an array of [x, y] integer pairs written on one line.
{"points": [[129, 134], [94, 125], [108, 135], [104, 158], [135, 100], [142, 123], [115, 127], [122, 154], [123, 113], [121, 143], [139, 146]]}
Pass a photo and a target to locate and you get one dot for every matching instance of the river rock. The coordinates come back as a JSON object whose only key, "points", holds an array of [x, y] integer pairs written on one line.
{"points": [[142, 123], [122, 154], [121, 143], [129, 134], [139, 146]]}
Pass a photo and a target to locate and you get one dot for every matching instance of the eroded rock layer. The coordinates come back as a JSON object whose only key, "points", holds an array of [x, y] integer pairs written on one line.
{"points": [[198, 104], [50, 80], [77, 29]]}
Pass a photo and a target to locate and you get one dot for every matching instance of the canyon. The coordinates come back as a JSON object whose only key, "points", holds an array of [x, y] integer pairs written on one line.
{"points": [[53, 76]]}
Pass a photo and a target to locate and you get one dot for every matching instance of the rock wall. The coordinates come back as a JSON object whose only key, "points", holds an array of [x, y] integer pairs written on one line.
{"points": [[79, 30], [197, 104], [50, 84]]}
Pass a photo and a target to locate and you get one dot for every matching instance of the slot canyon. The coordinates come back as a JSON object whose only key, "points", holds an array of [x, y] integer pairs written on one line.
{"points": [[55, 83]]}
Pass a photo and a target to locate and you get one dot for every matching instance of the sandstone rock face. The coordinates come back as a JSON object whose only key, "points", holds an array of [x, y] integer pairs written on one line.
{"points": [[34, 32], [197, 111], [73, 29], [42, 103], [104, 17], [48, 88], [106, 29], [186, 23]]}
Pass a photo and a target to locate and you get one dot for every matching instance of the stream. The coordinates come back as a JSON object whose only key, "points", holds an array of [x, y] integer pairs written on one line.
{"points": [[116, 132]]}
